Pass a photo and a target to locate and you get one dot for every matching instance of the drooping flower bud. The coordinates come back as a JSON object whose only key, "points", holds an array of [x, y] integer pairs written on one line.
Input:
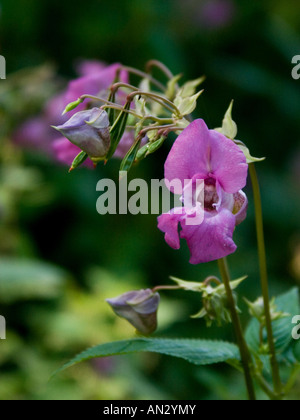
{"points": [[88, 130], [139, 308]]}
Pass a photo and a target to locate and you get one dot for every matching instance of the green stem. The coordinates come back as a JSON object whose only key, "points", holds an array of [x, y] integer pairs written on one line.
{"points": [[170, 127], [157, 288], [120, 108], [162, 67], [293, 378], [118, 85], [266, 387], [244, 351], [157, 98], [264, 277], [145, 76]]}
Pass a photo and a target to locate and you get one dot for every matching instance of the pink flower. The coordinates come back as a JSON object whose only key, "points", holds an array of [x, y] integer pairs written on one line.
{"points": [[203, 154], [37, 132], [96, 83], [34, 134], [92, 83], [65, 151], [86, 67]]}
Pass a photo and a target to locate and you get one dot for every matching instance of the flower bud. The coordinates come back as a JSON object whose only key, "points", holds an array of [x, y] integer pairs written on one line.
{"points": [[88, 130], [139, 308], [256, 309], [215, 303], [215, 308]]}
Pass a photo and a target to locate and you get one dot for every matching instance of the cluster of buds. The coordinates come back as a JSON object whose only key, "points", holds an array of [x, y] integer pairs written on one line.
{"points": [[214, 299], [152, 110], [215, 306]]}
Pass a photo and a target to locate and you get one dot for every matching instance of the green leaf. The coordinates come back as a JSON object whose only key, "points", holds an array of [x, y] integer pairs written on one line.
{"points": [[80, 158], [171, 87], [130, 156], [117, 130], [246, 151], [288, 303], [296, 350], [190, 87], [27, 279], [200, 287], [187, 105], [199, 352], [282, 328], [110, 111], [188, 285], [229, 127], [252, 335]]}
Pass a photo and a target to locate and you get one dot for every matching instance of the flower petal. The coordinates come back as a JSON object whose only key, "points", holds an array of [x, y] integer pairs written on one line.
{"points": [[168, 223], [212, 239], [65, 152], [187, 156], [125, 144], [92, 84], [34, 134], [228, 163], [207, 153], [240, 207], [88, 130], [87, 67], [139, 308]]}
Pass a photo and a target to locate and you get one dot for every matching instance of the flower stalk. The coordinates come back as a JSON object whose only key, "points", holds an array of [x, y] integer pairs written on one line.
{"points": [[264, 277], [162, 67], [144, 76], [159, 99], [244, 351]]}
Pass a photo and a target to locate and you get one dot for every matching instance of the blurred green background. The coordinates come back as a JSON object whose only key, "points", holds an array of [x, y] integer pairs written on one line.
{"points": [[60, 260]]}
